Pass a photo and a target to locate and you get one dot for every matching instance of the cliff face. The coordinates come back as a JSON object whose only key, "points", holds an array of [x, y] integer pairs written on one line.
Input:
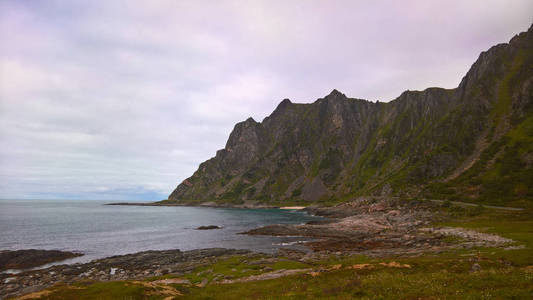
{"points": [[474, 142]]}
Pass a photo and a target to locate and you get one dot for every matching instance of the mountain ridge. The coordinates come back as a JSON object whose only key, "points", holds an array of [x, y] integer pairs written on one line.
{"points": [[459, 143]]}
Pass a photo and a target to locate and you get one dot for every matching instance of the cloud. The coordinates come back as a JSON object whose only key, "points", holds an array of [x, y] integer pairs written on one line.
{"points": [[123, 99]]}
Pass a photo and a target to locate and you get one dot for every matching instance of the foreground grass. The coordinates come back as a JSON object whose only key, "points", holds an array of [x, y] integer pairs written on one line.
{"points": [[381, 284], [504, 274], [100, 290], [420, 281], [517, 226]]}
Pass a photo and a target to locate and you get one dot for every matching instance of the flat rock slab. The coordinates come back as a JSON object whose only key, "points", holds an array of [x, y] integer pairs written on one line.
{"points": [[30, 258]]}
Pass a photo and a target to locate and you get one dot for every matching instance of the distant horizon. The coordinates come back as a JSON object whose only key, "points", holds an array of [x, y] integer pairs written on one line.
{"points": [[79, 199]]}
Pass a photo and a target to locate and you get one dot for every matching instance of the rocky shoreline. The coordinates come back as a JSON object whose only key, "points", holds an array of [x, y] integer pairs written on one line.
{"points": [[31, 258], [376, 227], [135, 266], [379, 227], [245, 205]]}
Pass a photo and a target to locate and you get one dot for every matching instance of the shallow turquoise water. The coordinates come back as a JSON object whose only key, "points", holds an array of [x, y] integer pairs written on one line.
{"points": [[98, 230]]}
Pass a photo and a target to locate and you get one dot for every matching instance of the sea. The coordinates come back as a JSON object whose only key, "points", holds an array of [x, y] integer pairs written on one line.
{"points": [[98, 230]]}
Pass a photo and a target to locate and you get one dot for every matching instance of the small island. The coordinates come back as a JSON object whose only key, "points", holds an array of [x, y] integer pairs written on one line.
{"points": [[208, 227]]}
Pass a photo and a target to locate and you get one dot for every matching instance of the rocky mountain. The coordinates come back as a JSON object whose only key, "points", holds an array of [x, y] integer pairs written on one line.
{"points": [[472, 143]]}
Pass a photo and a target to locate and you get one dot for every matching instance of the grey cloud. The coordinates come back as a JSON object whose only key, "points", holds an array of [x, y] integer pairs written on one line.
{"points": [[123, 99]]}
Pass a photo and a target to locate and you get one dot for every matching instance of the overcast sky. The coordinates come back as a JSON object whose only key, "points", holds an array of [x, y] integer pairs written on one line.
{"points": [[123, 99]]}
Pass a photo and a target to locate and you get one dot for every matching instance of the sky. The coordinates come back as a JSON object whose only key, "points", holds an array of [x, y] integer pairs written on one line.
{"points": [[123, 100]]}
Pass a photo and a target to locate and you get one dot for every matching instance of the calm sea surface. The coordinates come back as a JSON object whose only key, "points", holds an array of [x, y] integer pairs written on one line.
{"points": [[98, 230]]}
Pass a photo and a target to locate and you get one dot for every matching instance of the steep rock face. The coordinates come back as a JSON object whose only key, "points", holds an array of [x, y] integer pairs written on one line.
{"points": [[443, 143]]}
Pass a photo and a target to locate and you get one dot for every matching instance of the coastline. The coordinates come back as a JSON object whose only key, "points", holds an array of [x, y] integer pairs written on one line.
{"points": [[26, 259], [359, 236], [136, 266], [293, 207], [249, 205]]}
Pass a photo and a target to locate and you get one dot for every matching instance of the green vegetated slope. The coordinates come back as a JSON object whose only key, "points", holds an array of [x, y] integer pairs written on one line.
{"points": [[472, 143]]}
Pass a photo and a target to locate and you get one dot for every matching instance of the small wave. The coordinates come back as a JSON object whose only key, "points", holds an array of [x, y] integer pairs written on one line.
{"points": [[287, 243]]}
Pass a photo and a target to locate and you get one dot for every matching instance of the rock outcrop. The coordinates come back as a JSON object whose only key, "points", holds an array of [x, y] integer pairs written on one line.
{"points": [[136, 266], [29, 258], [474, 140]]}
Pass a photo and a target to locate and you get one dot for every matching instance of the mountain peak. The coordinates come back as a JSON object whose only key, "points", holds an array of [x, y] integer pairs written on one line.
{"points": [[335, 93], [340, 147], [250, 120], [284, 103]]}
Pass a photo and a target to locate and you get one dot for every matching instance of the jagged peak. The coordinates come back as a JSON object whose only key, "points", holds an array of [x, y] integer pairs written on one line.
{"points": [[334, 96], [488, 58], [244, 124], [250, 120], [335, 93], [284, 103], [281, 107], [238, 130], [412, 96], [426, 90]]}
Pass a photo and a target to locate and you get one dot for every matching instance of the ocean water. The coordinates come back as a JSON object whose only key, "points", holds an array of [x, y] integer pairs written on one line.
{"points": [[99, 230]]}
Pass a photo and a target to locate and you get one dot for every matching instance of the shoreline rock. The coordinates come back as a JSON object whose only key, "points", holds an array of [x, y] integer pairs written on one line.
{"points": [[134, 266], [206, 204], [208, 227], [378, 226], [250, 205], [31, 258]]}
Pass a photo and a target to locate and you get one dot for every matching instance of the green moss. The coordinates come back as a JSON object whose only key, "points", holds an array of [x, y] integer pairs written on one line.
{"points": [[517, 226], [103, 291], [288, 265], [234, 267], [500, 176], [154, 278], [234, 193], [425, 280], [503, 103], [238, 266], [522, 135]]}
